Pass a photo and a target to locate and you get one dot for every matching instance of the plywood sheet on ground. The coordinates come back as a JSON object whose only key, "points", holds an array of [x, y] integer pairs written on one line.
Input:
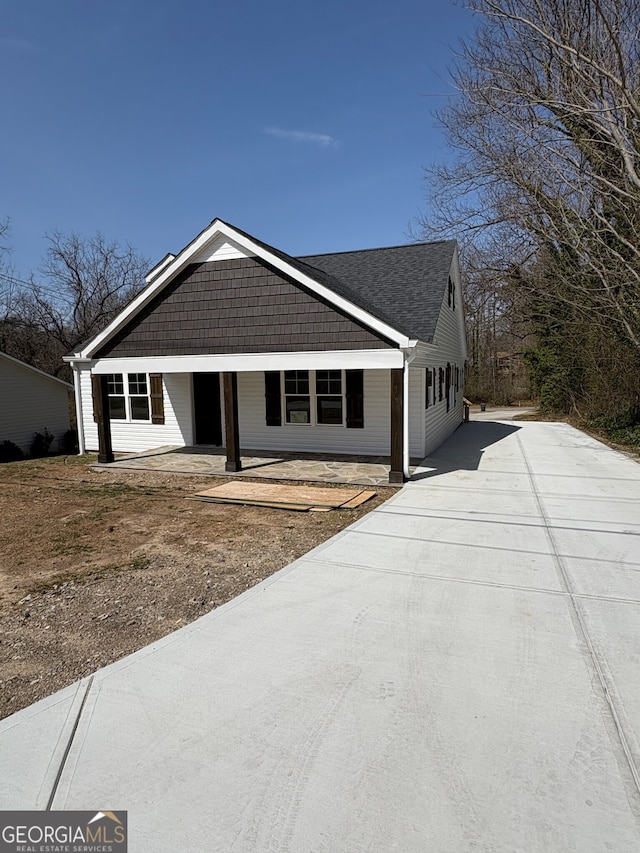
{"points": [[284, 496]]}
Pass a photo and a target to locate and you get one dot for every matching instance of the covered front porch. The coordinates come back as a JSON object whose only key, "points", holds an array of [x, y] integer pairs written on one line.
{"points": [[308, 467], [362, 415]]}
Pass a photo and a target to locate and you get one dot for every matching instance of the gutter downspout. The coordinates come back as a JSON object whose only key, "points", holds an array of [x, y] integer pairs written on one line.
{"points": [[406, 456]]}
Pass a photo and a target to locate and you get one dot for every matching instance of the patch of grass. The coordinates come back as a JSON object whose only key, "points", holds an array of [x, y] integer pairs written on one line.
{"points": [[70, 549], [75, 459], [114, 490], [105, 489], [66, 544], [57, 581], [138, 564]]}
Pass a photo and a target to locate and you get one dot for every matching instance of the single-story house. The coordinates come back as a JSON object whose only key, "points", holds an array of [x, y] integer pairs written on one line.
{"points": [[236, 344], [32, 402]]}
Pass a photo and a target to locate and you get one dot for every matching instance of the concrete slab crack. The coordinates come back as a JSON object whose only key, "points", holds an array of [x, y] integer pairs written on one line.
{"points": [[65, 755]]}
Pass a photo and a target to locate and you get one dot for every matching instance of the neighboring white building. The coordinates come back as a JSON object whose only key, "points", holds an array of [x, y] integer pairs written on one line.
{"points": [[32, 401], [348, 353]]}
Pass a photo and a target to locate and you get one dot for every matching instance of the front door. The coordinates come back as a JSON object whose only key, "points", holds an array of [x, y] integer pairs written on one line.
{"points": [[206, 408]]}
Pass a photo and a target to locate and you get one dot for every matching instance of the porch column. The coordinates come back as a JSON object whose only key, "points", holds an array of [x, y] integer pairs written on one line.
{"points": [[232, 434], [100, 391], [396, 474]]}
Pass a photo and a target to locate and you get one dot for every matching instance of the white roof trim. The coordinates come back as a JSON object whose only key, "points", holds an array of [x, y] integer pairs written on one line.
{"points": [[457, 280], [159, 267], [172, 268], [36, 370]]}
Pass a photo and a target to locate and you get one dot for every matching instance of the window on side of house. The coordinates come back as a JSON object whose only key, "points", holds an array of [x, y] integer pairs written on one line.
{"points": [[448, 384], [128, 397], [428, 387], [440, 384]]}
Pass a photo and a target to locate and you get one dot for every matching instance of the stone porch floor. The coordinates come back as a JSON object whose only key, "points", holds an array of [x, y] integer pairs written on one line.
{"points": [[311, 467]]}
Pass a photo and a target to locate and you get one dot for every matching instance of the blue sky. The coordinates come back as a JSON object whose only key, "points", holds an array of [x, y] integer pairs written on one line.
{"points": [[307, 125]]}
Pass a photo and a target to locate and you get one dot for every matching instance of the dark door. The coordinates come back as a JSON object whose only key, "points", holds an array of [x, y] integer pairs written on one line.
{"points": [[206, 408]]}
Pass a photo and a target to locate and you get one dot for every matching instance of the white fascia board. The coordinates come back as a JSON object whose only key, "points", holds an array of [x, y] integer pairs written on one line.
{"points": [[218, 227], [75, 360], [455, 274], [152, 289], [242, 363], [159, 267]]}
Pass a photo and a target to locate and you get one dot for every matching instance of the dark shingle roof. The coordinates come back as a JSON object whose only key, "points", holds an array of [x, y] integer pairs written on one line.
{"points": [[403, 285]]}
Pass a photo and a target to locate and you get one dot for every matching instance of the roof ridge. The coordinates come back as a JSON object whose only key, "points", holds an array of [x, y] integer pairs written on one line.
{"points": [[374, 249]]}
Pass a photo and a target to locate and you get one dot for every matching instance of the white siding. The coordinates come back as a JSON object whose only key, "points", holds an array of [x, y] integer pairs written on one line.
{"points": [[31, 403], [373, 439], [439, 424], [448, 346], [138, 436], [416, 412], [222, 248]]}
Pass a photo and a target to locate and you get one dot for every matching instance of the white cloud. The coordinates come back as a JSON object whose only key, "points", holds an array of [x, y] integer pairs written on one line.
{"points": [[321, 139]]}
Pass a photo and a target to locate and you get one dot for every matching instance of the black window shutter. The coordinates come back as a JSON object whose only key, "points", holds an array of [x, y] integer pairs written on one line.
{"points": [[157, 398], [355, 399], [272, 397], [448, 384]]}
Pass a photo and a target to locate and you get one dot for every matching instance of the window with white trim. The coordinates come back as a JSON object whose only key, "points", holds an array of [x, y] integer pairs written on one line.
{"points": [[329, 390], [128, 397], [428, 388], [297, 400], [314, 397]]}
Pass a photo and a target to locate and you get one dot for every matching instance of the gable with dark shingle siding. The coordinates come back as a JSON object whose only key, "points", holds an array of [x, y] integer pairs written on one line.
{"points": [[238, 305]]}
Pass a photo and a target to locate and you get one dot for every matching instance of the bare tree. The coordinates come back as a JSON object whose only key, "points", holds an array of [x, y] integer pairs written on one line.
{"points": [[83, 285], [547, 130], [499, 329], [87, 282], [7, 281]]}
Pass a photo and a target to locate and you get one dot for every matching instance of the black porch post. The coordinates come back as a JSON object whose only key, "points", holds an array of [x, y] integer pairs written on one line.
{"points": [[100, 392], [396, 474], [232, 434]]}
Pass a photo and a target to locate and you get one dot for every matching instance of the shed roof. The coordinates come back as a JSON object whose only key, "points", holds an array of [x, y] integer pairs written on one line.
{"points": [[36, 370]]}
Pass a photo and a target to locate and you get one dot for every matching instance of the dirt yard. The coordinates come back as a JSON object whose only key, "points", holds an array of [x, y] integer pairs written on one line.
{"points": [[94, 565]]}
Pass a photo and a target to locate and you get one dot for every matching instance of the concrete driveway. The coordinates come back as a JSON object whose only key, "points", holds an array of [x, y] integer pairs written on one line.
{"points": [[458, 671]]}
